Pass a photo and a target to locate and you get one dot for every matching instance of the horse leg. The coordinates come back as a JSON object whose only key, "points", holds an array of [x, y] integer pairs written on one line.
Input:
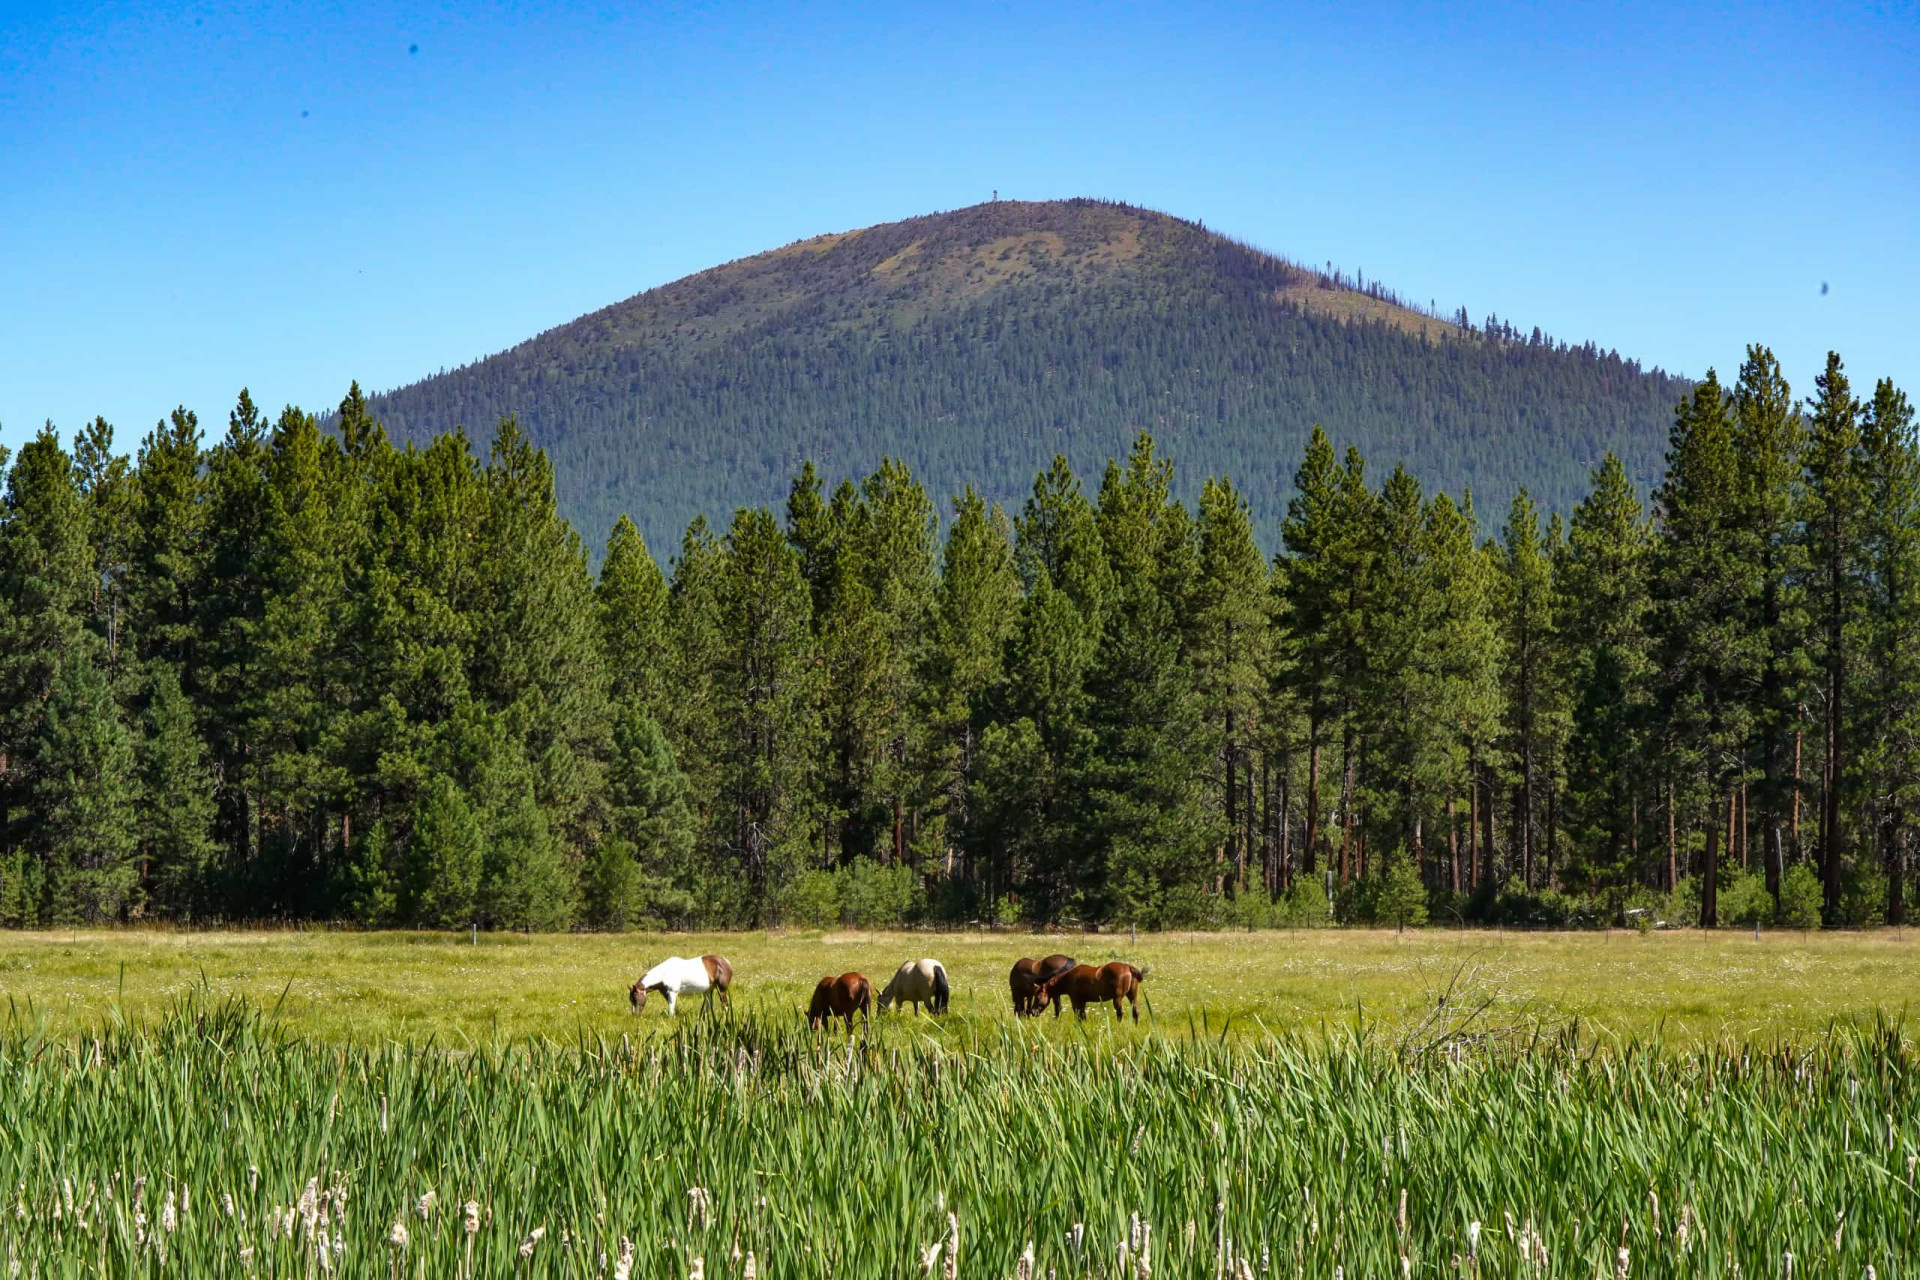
{"points": [[1133, 998], [673, 1000]]}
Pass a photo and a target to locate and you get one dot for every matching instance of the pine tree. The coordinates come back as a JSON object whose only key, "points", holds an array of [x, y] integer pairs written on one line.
{"points": [[106, 486], [1890, 662], [976, 607], [1231, 652], [1710, 649], [296, 704], [1462, 655], [1058, 536], [765, 694], [527, 877], [232, 611], [1030, 831], [45, 594], [1331, 535], [1603, 607], [1145, 825], [900, 556], [86, 798], [1310, 583], [1401, 732], [176, 833], [632, 600], [446, 852], [642, 868], [169, 512], [1768, 442], [536, 650], [692, 718], [1526, 626], [1835, 490]]}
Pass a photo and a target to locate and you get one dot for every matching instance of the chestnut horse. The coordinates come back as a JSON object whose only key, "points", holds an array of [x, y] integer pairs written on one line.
{"points": [[1029, 982], [677, 974], [840, 997], [1085, 985]]}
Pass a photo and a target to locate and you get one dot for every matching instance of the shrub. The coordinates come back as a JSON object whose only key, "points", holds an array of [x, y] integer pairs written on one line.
{"points": [[811, 901], [874, 897], [1304, 904], [1744, 899], [1188, 906], [1800, 898], [1402, 898], [1863, 897]]}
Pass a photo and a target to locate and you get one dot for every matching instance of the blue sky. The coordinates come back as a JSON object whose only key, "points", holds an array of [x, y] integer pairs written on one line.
{"points": [[197, 197]]}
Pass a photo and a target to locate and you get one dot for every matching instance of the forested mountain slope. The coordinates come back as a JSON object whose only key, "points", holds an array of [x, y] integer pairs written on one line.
{"points": [[976, 344]]}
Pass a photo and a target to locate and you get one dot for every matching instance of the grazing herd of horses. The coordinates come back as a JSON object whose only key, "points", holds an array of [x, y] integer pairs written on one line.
{"points": [[1034, 983]]}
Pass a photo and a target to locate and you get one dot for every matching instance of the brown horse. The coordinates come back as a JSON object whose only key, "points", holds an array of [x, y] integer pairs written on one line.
{"points": [[1085, 985], [1029, 979], [840, 997]]}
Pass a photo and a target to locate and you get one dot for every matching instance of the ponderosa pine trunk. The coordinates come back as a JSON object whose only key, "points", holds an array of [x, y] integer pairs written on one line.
{"points": [[1453, 844]]}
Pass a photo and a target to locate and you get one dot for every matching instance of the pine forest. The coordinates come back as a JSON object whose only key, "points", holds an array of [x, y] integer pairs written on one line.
{"points": [[290, 670]]}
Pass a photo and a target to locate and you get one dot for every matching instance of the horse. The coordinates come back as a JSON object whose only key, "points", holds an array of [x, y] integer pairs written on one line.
{"points": [[1086, 985], [840, 997], [677, 974], [917, 980], [1028, 981]]}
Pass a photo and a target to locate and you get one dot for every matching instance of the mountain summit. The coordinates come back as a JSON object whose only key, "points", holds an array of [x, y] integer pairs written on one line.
{"points": [[977, 344]]}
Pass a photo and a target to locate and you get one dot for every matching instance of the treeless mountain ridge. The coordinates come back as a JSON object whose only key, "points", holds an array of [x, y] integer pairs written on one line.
{"points": [[976, 344]]}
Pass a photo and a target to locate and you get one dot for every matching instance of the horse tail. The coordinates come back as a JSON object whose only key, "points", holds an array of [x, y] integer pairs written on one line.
{"points": [[1139, 972], [940, 990]]}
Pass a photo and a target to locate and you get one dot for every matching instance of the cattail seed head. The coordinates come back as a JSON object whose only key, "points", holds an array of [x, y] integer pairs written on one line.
{"points": [[473, 1217], [397, 1235]]}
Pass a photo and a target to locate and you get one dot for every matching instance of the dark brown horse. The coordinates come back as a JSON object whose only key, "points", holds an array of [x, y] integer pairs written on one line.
{"points": [[1028, 982], [1085, 985], [840, 997]]}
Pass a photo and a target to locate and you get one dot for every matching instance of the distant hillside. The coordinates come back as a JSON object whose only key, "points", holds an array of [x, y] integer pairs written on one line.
{"points": [[978, 343]]}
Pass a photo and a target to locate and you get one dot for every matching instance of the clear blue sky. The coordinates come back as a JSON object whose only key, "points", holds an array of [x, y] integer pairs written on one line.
{"points": [[195, 197]]}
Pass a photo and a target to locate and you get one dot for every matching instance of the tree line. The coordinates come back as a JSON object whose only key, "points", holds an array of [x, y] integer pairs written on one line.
{"points": [[294, 673]]}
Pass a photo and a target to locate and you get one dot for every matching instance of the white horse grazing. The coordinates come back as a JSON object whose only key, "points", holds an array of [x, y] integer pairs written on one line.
{"points": [[676, 975], [918, 980]]}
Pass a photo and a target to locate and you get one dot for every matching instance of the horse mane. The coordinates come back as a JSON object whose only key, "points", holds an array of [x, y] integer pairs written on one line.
{"points": [[1050, 980]]}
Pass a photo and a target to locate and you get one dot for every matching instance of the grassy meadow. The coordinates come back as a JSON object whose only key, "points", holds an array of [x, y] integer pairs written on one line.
{"points": [[1681, 987], [308, 1103]]}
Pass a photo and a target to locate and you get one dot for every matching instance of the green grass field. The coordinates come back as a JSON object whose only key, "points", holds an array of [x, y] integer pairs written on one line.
{"points": [[1583, 1105], [1683, 987]]}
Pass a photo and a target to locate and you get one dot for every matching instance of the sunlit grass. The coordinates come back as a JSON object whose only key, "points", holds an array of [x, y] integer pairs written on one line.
{"points": [[1682, 987]]}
